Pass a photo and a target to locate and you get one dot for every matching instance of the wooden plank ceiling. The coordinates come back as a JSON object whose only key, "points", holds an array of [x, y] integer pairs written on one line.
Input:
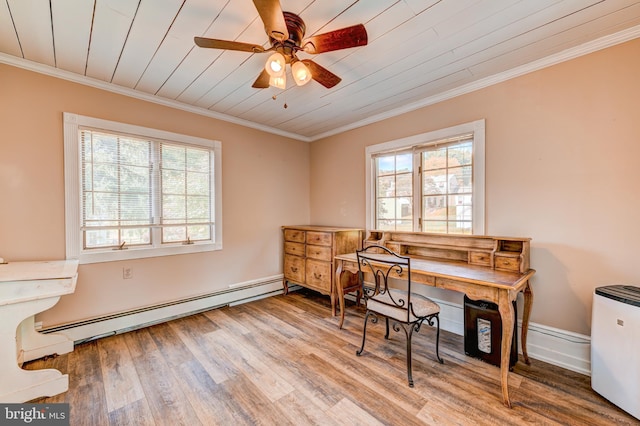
{"points": [[419, 51]]}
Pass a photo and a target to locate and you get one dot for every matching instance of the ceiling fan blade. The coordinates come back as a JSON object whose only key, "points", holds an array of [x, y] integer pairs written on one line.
{"points": [[335, 40], [271, 14], [262, 82], [321, 74], [228, 45]]}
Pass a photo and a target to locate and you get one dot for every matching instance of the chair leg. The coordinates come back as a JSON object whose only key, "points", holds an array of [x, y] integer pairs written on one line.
{"points": [[409, 334], [364, 333], [437, 317], [386, 335]]}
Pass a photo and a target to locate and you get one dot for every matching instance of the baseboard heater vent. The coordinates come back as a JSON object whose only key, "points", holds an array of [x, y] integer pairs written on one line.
{"points": [[121, 322]]}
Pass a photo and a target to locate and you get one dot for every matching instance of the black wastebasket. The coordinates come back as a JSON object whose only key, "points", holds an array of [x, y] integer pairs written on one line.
{"points": [[483, 331]]}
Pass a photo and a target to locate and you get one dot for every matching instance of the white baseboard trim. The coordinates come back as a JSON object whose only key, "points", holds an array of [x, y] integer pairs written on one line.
{"points": [[552, 345], [555, 346], [560, 347], [236, 294]]}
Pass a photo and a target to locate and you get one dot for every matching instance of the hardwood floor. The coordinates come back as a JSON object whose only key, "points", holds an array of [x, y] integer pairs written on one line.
{"points": [[283, 361]]}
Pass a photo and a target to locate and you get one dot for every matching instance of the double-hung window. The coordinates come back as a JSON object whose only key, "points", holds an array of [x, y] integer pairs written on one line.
{"points": [[433, 182], [134, 192]]}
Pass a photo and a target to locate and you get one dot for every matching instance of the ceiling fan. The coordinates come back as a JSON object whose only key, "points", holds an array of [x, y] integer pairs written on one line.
{"points": [[286, 35]]}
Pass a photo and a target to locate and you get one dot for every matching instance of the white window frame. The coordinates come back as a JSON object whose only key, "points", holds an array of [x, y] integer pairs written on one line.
{"points": [[477, 128], [73, 179]]}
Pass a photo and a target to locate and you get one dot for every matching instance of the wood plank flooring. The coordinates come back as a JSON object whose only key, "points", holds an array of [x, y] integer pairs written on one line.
{"points": [[283, 361]]}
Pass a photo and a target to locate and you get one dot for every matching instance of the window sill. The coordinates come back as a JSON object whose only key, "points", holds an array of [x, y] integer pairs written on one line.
{"points": [[143, 253]]}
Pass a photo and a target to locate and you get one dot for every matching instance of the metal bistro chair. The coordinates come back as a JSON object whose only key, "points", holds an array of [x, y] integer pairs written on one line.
{"points": [[407, 310]]}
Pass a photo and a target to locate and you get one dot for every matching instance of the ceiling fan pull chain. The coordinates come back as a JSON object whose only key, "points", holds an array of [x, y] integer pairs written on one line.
{"points": [[285, 106]]}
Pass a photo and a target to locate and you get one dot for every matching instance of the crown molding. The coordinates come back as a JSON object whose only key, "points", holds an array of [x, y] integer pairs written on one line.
{"points": [[563, 56], [110, 87], [568, 54]]}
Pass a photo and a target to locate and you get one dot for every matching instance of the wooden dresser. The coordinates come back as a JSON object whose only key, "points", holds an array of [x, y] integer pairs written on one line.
{"points": [[309, 253]]}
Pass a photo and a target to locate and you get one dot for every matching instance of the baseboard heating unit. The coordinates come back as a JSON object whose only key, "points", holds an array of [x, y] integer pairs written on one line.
{"points": [[83, 331]]}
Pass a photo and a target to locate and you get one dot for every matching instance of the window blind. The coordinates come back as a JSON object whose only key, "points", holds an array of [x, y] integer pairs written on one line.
{"points": [[138, 191], [116, 190], [441, 143], [186, 193]]}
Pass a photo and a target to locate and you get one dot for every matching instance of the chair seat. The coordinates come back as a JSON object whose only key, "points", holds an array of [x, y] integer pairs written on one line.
{"points": [[383, 305]]}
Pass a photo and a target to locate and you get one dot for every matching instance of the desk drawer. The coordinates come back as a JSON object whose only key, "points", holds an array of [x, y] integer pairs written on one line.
{"points": [[319, 252], [319, 238], [479, 258], [423, 279], [294, 268], [507, 263], [294, 235], [297, 249]]}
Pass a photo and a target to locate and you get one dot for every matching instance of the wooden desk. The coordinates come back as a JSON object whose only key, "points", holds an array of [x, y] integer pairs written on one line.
{"points": [[485, 281]]}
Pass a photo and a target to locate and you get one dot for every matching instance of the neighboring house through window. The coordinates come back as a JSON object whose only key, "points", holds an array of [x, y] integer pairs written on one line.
{"points": [[134, 192], [432, 182]]}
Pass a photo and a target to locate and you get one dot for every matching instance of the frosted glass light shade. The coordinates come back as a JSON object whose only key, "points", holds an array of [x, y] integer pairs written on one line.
{"points": [[301, 74], [279, 82], [275, 65]]}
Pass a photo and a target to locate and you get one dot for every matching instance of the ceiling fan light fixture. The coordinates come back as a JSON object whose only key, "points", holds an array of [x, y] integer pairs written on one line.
{"points": [[275, 65], [280, 82], [301, 74]]}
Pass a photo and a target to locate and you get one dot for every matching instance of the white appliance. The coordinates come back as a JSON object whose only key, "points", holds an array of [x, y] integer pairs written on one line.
{"points": [[615, 346]]}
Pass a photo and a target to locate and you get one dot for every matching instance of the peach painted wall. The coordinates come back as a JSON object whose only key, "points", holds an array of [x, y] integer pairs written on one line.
{"points": [[562, 150], [265, 185]]}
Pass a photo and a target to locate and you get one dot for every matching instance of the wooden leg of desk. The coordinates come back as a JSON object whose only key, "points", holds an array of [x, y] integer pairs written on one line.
{"points": [[507, 315], [333, 302], [346, 282], [528, 302], [337, 292], [341, 311]]}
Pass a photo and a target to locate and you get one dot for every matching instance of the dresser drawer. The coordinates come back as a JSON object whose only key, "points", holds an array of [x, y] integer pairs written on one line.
{"points": [[319, 238], [319, 274], [296, 249], [294, 268], [294, 235], [319, 252]]}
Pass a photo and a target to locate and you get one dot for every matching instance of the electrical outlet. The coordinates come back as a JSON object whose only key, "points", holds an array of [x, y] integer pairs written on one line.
{"points": [[127, 273]]}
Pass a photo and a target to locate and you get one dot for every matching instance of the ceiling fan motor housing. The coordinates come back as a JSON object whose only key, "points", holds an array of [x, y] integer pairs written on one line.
{"points": [[296, 29]]}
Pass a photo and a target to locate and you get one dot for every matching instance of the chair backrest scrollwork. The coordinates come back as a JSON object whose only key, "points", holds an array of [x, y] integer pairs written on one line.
{"points": [[383, 266]]}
